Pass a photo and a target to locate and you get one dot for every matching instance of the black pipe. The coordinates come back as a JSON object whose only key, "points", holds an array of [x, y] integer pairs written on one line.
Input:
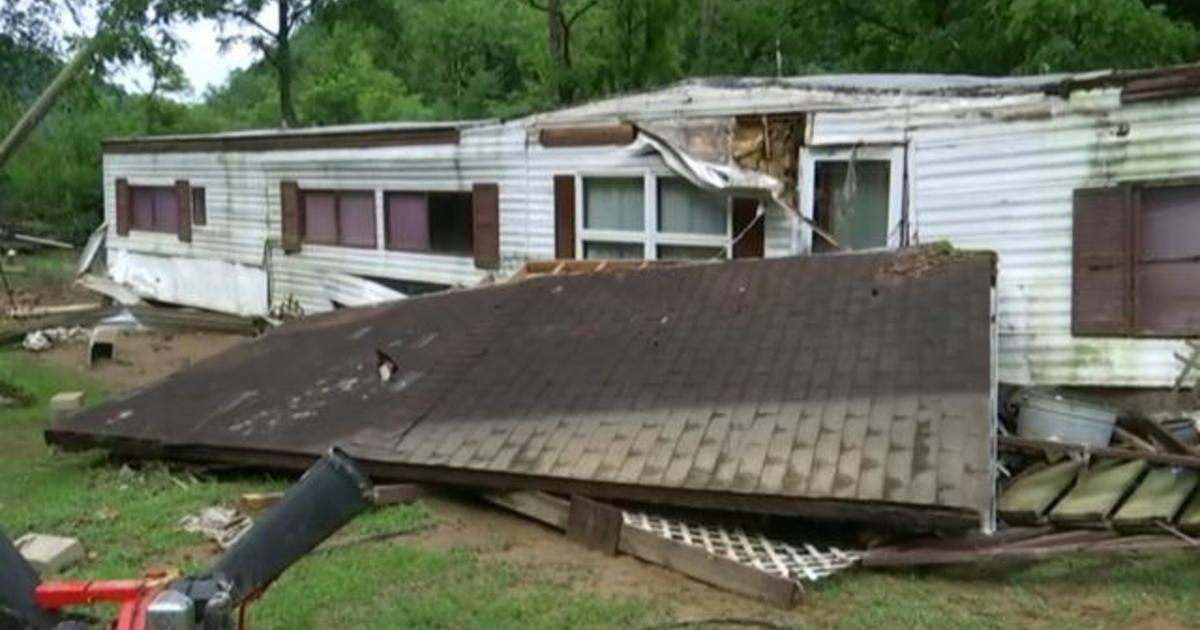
{"points": [[327, 497], [18, 581]]}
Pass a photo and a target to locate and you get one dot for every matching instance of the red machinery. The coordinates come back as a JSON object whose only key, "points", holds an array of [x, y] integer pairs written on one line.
{"points": [[327, 497]]}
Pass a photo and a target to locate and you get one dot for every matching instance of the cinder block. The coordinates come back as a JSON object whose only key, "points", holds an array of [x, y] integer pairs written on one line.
{"points": [[102, 345], [64, 404], [49, 554]]}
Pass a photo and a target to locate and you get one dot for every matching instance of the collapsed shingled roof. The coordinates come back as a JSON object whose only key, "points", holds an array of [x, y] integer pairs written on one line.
{"points": [[852, 386]]}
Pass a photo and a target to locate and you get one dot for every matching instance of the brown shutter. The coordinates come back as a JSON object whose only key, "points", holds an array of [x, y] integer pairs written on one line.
{"points": [[124, 207], [485, 199], [289, 203], [1102, 278], [564, 217], [751, 245], [183, 202]]}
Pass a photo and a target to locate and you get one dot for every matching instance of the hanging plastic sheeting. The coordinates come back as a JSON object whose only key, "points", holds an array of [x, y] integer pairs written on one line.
{"points": [[726, 179]]}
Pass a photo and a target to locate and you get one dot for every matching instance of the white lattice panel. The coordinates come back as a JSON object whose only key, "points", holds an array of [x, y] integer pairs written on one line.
{"points": [[801, 563]]}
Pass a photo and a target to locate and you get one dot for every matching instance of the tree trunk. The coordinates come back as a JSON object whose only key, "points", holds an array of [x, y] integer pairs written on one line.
{"points": [[560, 50], [708, 16], [283, 66]]}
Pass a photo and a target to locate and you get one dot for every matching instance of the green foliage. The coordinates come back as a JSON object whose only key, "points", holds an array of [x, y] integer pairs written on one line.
{"points": [[377, 60]]}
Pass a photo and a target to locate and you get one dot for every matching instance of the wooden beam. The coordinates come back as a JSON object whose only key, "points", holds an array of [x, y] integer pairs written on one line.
{"points": [[598, 135], [1147, 428], [691, 561], [703, 566], [1036, 445], [1090, 543], [539, 506], [594, 525]]}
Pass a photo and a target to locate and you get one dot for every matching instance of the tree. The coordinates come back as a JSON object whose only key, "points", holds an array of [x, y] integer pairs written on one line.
{"points": [[275, 44], [560, 19]]}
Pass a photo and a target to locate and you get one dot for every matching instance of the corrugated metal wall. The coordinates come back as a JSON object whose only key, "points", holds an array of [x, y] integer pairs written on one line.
{"points": [[1002, 178]]}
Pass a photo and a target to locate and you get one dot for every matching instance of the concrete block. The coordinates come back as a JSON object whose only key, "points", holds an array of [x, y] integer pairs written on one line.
{"points": [[64, 404], [102, 345], [49, 554]]}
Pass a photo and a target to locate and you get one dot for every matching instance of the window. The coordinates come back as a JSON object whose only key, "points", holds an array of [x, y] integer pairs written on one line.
{"points": [[855, 195], [1136, 260], [155, 209], [621, 219], [339, 217], [199, 206], [439, 222], [1167, 260]]}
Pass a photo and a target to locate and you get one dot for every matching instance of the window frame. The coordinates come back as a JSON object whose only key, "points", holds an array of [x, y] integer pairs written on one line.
{"points": [[894, 154], [1136, 328], [337, 210], [426, 194], [154, 189], [649, 237], [199, 194]]}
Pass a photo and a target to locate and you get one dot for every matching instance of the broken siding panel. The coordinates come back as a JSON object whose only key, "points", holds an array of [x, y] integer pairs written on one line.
{"points": [[1007, 186]]}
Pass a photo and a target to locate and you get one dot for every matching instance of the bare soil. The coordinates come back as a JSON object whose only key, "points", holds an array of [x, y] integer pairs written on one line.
{"points": [[142, 357], [546, 554]]}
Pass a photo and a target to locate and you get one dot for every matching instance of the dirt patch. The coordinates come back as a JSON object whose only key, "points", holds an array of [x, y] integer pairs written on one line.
{"points": [[142, 357], [545, 553]]}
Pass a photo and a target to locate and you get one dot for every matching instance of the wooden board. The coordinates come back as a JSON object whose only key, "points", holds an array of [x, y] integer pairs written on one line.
{"points": [[700, 565], [1031, 495], [1097, 493], [1157, 499], [594, 525], [1189, 518]]}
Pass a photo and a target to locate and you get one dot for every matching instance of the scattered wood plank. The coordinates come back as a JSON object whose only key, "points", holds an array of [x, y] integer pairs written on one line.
{"points": [[15, 334], [693, 562], [1097, 493], [1091, 543], [45, 311], [193, 319], [1149, 429], [1040, 446], [700, 565], [1031, 495], [594, 525], [539, 506], [45, 242], [1189, 518], [1159, 497]]}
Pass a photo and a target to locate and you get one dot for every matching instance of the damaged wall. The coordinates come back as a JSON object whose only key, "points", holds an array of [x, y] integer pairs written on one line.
{"points": [[1001, 178]]}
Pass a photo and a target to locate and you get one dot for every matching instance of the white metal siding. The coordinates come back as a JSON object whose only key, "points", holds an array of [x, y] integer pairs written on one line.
{"points": [[1004, 182]]}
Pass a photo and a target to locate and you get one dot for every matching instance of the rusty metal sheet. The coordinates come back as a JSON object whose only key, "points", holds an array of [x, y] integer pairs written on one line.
{"points": [[844, 386]]}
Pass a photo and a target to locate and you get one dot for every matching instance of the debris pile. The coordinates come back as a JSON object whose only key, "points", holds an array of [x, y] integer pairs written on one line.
{"points": [[700, 417]]}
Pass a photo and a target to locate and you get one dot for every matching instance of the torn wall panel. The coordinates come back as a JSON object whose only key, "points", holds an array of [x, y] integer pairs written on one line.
{"points": [[214, 285]]}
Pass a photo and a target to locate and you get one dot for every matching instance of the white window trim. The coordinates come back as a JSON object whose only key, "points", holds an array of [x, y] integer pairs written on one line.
{"points": [[649, 238], [809, 156]]}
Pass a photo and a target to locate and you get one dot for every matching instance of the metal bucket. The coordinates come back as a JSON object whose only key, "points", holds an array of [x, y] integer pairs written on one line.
{"points": [[1052, 417]]}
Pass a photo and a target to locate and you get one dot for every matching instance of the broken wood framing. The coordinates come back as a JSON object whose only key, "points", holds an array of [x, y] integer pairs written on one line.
{"points": [[46, 311], [714, 556], [1078, 542], [1041, 446]]}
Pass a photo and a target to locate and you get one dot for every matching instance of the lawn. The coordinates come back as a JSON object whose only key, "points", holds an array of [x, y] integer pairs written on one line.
{"points": [[128, 520]]}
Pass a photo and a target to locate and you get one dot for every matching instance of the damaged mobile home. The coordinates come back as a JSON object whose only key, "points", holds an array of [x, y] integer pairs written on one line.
{"points": [[1083, 186], [1023, 231]]}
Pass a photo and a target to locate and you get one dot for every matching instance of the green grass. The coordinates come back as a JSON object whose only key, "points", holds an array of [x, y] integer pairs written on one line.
{"points": [[128, 520]]}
